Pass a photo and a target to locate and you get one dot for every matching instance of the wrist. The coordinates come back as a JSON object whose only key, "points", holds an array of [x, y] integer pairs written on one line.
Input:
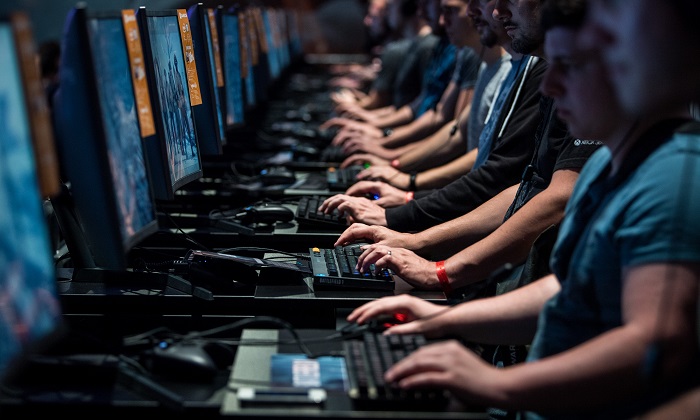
{"points": [[442, 277], [412, 181]]}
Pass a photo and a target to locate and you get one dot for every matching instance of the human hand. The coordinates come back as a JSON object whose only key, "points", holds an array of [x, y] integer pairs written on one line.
{"points": [[414, 270], [374, 234], [356, 209], [451, 366], [388, 174], [389, 196], [367, 145], [335, 122], [363, 159], [409, 307]]}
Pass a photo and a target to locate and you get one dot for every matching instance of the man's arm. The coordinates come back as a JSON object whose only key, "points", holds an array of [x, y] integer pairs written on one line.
{"points": [[512, 240], [441, 147], [612, 366]]}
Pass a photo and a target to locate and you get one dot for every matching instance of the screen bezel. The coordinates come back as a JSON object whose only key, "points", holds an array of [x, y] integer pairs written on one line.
{"points": [[209, 118], [84, 149], [164, 186]]}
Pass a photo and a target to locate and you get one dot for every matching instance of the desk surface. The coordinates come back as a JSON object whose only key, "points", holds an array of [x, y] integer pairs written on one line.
{"points": [[251, 368]]}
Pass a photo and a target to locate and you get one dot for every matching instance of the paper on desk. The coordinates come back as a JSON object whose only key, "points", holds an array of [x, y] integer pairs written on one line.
{"points": [[297, 370]]}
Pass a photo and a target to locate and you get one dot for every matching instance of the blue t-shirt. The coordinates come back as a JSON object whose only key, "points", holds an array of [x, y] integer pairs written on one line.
{"points": [[650, 217], [436, 78]]}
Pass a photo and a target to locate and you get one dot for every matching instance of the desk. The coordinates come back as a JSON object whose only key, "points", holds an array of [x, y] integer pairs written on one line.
{"points": [[251, 368]]}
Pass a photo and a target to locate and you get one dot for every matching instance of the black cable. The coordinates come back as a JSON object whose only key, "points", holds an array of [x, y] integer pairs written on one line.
{"points": [[185, 234]]}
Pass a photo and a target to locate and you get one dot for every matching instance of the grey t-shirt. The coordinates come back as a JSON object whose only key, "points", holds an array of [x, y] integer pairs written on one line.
{"points": [[490, 78]]}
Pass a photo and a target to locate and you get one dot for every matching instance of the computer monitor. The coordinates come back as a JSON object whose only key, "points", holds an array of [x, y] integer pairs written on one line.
{"points": [[99, 138], [229, 34], [30, 312], [269, 15], [173, 154], [249, 57], [261, 43], [208, 117]]}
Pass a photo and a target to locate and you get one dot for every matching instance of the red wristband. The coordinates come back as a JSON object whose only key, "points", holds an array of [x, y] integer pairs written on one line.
{"points": [[409, 196], [395, 163], [442, 277]]}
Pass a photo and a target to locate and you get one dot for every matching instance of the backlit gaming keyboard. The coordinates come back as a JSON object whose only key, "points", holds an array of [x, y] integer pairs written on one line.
{"points": [[368, 356], [340, 179], [335, 267], [307, 215]]}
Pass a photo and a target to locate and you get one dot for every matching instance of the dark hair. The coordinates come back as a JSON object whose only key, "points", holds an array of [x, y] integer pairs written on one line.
{"points": [[567, 13], [409, 8]]}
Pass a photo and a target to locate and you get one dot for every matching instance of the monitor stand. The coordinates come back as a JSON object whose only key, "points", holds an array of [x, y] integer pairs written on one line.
{"points": [[85, 270]]}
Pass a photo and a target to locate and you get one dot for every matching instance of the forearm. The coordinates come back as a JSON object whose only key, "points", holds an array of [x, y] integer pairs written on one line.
{"points": [[457, 234], [401, 116], [509, 318], [440, 147], [422, 127], [442, 175], [601, 371], [511, 242]]}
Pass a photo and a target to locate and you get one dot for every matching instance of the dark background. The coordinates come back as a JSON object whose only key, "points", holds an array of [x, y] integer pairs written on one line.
{"points": [[328, 26]]}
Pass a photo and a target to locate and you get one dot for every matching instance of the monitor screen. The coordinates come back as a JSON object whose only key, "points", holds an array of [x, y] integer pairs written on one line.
{"points": [[273, 50], [208, 116], [174, 153], [99, 137], [249, 50], [30, 312], [231, 56]]}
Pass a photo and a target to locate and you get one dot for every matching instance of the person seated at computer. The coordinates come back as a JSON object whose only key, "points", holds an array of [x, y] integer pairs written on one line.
{"points": [[613, 331], [403, 63], [435, 80], [671, 65]]}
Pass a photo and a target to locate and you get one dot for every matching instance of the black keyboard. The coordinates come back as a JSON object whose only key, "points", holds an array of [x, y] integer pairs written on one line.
{"points": [[335, 267], [307, 215], [332, 153], [340, 179], [367, 358]]}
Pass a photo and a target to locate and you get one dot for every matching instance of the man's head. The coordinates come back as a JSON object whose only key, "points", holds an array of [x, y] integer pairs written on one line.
{"points": [[458, 25], [430, 10], [521, 19], [491, 31], [375, 19], [651, 50], [400, 11], [576, 77]]}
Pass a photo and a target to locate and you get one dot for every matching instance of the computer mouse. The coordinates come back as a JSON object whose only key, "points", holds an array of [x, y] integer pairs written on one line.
{"points": [[277, 175], [266, 213], [189, 360], [375, 325]]}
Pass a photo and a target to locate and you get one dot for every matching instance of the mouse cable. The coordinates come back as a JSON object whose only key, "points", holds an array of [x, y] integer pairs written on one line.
{"points": [[257, 320], [255, 248], [185, 234]]}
